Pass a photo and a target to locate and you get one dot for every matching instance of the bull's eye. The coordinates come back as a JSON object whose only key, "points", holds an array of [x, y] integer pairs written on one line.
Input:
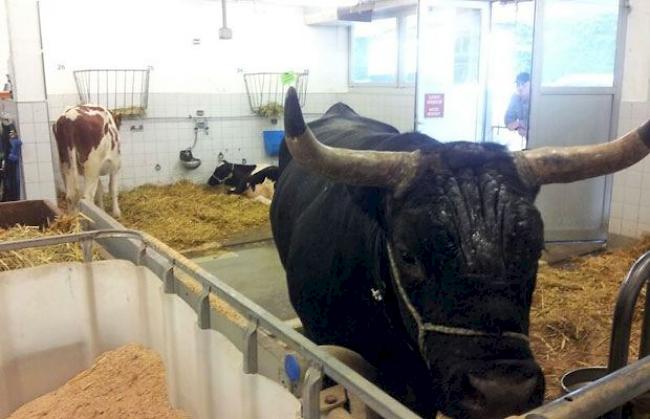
{"points": [[408, 258]]}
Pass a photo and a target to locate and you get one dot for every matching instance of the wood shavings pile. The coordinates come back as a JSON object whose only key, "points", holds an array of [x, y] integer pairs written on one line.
{"points": [[126, 383], [573, 307], [69, 252], [185, 215]]}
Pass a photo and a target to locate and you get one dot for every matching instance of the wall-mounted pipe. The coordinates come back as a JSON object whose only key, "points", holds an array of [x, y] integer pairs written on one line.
{"points": [[224, 32]]}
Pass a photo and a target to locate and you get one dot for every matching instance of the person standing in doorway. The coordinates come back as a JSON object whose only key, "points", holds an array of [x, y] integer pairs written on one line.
{"points": [[516, 118], [10, 150], [8, 87]]}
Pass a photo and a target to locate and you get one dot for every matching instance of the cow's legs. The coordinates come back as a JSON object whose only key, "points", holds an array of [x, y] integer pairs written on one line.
{"points": [[71, 181], [92, 178], [99, 195], [113, 191]]}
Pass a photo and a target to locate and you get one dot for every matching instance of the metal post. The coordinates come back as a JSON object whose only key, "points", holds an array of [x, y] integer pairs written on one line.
{"points": [[87, 250], [644, 347], [141, 255], [623, 313], [168, 280], [311, 393], [204, 308], [250, 348]]}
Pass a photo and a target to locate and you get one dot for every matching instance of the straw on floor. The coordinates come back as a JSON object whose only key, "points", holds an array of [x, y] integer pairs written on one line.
{"points": [[185, 215]]}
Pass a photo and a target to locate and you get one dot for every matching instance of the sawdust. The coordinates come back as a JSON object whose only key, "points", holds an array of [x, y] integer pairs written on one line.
{"points": [[126, 383]]}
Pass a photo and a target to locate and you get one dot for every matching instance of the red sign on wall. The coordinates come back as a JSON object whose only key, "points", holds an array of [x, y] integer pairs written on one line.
{"points": [[434, 105]]}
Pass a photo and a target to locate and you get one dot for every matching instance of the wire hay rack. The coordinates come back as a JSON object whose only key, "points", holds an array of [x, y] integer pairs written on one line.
{"points": [[266, 91], [125, 92]]}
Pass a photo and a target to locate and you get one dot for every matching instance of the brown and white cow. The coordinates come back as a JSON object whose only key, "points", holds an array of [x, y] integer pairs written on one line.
{"points": [[88, 142]]}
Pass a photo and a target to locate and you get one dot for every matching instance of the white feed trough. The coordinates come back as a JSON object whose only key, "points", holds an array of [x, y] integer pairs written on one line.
{"points": [[55, 319], [224, 356]]}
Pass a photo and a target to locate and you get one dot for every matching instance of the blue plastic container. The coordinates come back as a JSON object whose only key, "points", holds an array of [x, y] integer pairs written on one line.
{"points": [[272, 141]]}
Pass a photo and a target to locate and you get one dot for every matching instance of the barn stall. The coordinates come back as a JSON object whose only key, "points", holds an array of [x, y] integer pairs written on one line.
{"points": [[174, 133]]}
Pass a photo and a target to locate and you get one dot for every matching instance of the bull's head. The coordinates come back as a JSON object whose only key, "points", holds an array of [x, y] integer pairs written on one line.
{"points": [[464, 239]]}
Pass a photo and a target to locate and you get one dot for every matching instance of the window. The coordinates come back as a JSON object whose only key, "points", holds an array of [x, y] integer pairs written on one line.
{"points": [[467, 46], [410, 49], [579, 42], [374, 49], [383, 52]]}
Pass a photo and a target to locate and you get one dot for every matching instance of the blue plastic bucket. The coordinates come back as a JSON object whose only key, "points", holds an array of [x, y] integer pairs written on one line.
{"points": [[272, 141]]}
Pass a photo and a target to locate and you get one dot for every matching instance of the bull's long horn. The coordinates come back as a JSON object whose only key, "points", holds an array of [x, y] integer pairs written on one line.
{"points": [[384, 169], [569, 164]]}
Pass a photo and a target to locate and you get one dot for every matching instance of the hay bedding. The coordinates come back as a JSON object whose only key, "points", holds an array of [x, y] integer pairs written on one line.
{"points": [[25, 258], [572, 311], [126, 383], [185, 215]]}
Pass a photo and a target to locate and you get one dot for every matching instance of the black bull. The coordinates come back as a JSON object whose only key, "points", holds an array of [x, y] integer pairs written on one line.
{"points": [[429, 279]]}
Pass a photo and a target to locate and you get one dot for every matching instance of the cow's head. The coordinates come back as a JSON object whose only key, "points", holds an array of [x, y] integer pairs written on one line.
{"points": [[222, 173], [463, 242]]}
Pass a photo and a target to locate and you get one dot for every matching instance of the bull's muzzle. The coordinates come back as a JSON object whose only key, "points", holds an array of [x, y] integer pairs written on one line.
{"points": [[496, 389]]}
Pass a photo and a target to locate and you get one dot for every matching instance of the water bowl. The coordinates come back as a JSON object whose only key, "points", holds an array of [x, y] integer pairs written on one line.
{"points": [[578, 378]]}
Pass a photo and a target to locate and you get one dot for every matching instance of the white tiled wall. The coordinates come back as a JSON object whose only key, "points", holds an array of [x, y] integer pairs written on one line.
{"points": [[37, 155], [4, 44], [630, 210], [392, 106], [31, 108], [234, 130]]}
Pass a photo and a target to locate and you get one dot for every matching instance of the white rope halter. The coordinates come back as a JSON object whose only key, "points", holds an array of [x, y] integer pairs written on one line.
{"points": [[424, 327]]}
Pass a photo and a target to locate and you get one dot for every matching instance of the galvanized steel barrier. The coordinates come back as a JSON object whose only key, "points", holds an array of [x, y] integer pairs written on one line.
{"points": [[266, 340]]}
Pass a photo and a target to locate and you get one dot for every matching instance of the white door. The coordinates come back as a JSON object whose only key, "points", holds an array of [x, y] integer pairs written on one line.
{"points": [[450, 93]]}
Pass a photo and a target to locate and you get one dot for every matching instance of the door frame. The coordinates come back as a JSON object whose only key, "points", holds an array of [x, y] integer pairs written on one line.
{"points": [[615, 90], [486, 21]]}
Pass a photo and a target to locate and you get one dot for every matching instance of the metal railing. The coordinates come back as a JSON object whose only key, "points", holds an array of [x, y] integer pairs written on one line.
{"points": [[139, 249], [623, 382], [599, 397]]}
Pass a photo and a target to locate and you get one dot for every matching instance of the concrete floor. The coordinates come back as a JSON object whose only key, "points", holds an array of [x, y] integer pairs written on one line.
{"points": [[252, 266], [254, 269]]}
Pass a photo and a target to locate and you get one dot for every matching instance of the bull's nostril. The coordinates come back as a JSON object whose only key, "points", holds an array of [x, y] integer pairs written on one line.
{"points": [[505, 392], [483, 386], [498, 389]]}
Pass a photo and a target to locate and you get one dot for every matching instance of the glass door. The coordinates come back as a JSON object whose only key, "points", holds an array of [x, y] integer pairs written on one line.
{"points": [[576, 80], [509, 69], [451, 77]]}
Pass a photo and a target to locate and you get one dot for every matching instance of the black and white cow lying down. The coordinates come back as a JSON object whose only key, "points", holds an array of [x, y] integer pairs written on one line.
{"points": [[254, 181]]}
